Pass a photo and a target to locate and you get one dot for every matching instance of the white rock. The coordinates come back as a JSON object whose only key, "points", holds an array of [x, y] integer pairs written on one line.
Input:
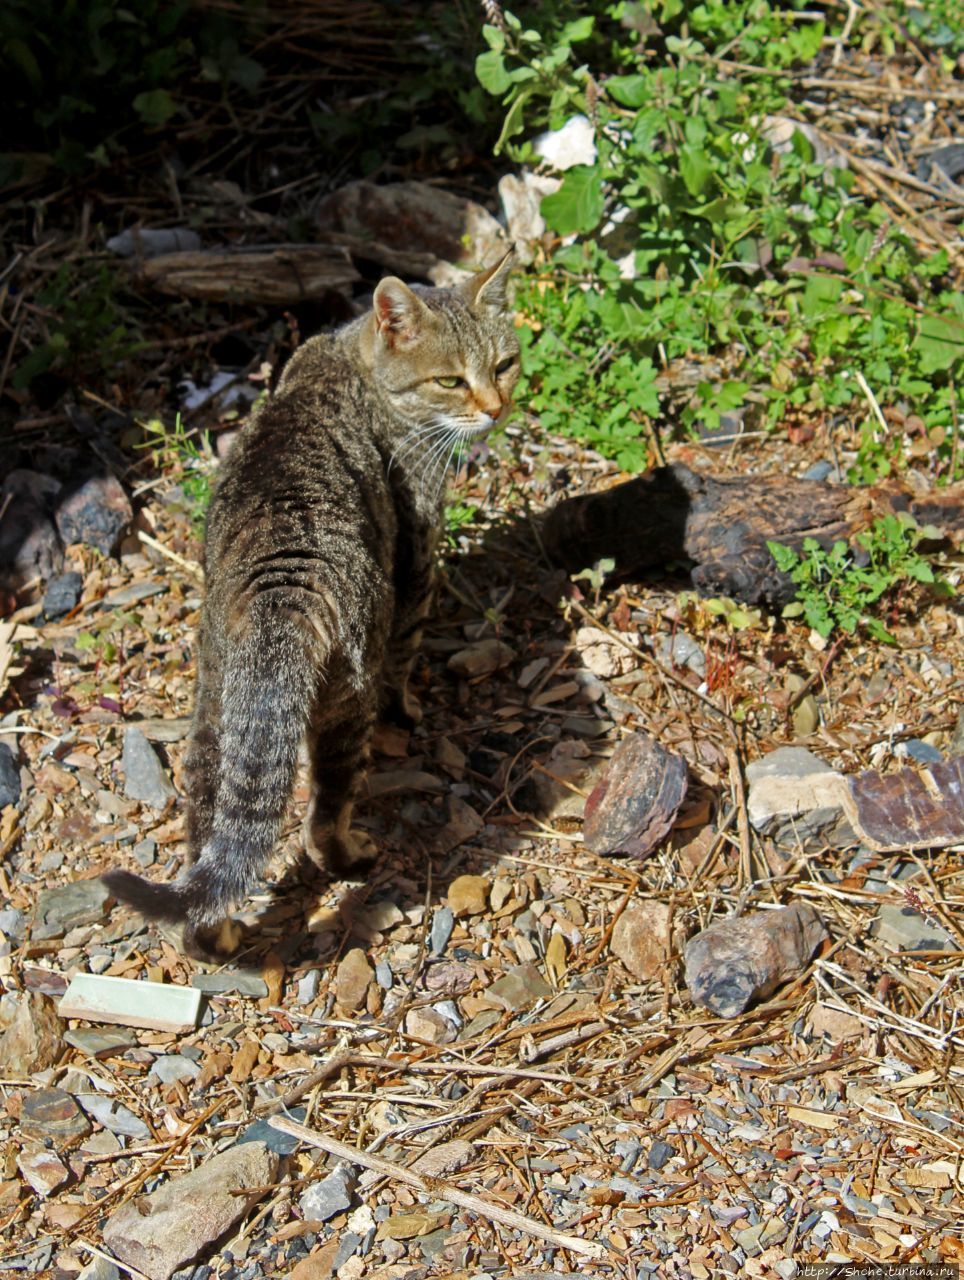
{"points": [[789, 784], [574, 143], [521, 196]]}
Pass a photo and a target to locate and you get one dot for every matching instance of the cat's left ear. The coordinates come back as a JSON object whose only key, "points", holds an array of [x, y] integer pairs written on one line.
{"points": [[488, 288]]}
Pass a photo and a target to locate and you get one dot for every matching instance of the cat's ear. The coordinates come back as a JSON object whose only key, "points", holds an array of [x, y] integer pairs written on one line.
{"points": [[400, 315], [488, 288]]}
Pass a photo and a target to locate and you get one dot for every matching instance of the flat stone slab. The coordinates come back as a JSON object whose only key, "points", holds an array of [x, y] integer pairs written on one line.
{"points": [[155, 1005], [160, 1232]]}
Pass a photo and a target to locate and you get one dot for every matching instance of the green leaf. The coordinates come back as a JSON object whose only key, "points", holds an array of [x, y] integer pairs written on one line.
{"points": [[491, 72], [493, 37], [939, 342], [155, 107], [630, 91], [579, 29], [513, 123], [695, 169], [578, 204]]}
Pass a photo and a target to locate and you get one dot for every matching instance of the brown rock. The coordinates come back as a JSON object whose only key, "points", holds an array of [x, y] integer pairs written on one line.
{"points": [[633, 807], [641, 938], [444, 1159], [480, 659], [160, 1232], [352, 980], [32, 1042], [42, 1169], [468, 895], [741, 959], [521, 987], [319, 1264], [53, 1114], [835, 1024], [428, 1024]]}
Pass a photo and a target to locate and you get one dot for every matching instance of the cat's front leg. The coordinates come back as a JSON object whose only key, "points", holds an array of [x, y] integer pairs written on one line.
{"points": [[415, 593]]}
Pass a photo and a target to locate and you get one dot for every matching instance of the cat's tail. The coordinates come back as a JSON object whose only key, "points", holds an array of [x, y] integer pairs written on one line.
{"points": [[269, 684]]}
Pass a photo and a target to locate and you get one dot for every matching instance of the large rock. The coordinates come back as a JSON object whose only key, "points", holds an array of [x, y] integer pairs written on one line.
{"points": [[29, 546], [747, 957], [522, 195], [32, 1042], [170, 1227], [94, 510], [795, 797], [413, 228]]}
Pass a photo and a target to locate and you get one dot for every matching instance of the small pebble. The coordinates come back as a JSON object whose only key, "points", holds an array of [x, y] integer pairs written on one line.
{"points": [[443, 922]]}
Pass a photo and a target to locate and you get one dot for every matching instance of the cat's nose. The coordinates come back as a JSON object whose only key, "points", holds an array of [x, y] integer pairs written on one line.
{"points": [[491, 406]]}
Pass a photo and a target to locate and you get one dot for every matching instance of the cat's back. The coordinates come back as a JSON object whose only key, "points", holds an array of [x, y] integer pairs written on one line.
{"points": [[308, 470]]}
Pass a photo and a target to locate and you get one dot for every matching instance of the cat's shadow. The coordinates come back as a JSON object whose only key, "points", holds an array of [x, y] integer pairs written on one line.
{"points": [[524, 756]]}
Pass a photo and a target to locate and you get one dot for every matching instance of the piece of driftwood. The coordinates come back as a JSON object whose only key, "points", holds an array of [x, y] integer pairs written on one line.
{"points": [[720, 525], [278, 275]]}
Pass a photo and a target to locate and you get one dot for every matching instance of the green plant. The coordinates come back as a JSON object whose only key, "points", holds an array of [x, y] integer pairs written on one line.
{"points": [[86, 330], [690, 234], [839, 588], [188, 455]]}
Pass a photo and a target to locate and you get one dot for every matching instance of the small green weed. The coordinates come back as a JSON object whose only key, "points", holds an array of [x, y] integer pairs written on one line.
{"points": [[458, 516], [187, 455], [838, 588]]}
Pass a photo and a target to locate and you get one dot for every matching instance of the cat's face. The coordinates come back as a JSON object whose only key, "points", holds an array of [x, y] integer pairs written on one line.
{"points": [[446, 359]]}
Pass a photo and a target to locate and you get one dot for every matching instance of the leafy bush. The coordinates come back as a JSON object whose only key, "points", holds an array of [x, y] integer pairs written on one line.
{"points": [[837, 588], [692, 234]]}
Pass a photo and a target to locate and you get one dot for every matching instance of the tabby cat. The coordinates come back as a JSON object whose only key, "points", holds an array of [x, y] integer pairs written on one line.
{"points": [[319, 558]]}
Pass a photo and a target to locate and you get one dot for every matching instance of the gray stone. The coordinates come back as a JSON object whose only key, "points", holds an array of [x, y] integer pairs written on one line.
{"points": [[113, 1115], [69, 906], [818, 470], [62, 595], [443, 922], [231, 982], [100, 1269], [95, 510], [28, 539], [347, 1245], [11, 924], [383, 975], [160, 1232], [519, 988], [331, 1195], [9, 777], [52, 861], [681, 650], [794, 796], [174, 1066], [308, 987], [144, 776], [903, 927], [100, 1044], [923, 752], [281, 1143], [145, 851], [659, 1153]]}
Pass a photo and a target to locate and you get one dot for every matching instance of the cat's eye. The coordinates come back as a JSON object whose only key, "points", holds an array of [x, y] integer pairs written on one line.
{"points": [[450, 382], [505, 365]]}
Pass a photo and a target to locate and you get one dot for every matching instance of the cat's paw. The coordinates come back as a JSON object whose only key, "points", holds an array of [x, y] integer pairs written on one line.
{"points": [[345, 855], [402, 709], [208, 943]]}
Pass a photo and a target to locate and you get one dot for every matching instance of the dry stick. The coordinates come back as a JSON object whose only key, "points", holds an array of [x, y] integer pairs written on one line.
{"points": [[189, 566], [439, 1190]]}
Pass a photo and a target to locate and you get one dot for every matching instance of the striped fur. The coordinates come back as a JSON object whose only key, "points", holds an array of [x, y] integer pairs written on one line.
{"points": [[320, 548]]}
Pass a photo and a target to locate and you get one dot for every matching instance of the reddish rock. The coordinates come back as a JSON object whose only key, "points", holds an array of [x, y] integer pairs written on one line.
{"points": [[635, 804]]}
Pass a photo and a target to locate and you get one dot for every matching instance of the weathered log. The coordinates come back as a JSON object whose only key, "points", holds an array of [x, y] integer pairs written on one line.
{"points": [[720, 525], [278, 275]]}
